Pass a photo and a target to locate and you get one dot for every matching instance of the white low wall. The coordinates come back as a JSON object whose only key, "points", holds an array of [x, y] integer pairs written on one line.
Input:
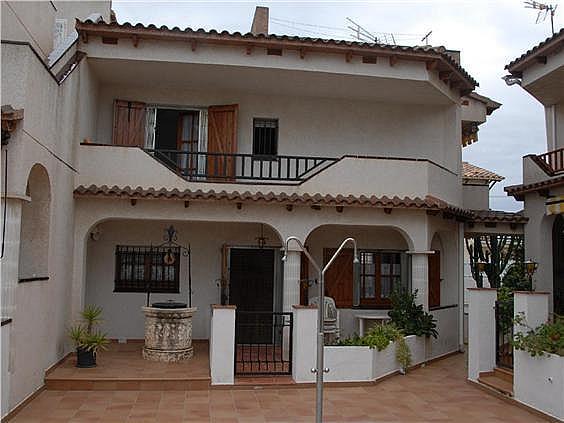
{"points": [[364, 364], [539, 382], [222, 345]]}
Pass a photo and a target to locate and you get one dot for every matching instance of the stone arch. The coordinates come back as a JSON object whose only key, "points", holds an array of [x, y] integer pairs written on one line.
{"points": [[35, 226]]}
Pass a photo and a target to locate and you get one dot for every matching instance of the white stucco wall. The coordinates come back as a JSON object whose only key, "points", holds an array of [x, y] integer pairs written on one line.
{"points": [[123, 317], [475, 197], [313, 126]]}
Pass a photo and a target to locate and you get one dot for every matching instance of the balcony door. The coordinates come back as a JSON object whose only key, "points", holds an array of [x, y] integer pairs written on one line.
{"points": [[222, 142]]}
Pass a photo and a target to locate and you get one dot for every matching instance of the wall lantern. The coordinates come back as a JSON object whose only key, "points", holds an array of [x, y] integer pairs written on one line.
{"points": [[530, 267], [481, 265]]}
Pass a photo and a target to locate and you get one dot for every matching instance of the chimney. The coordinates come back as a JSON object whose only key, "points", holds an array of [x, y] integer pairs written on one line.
{"points": [[260, 21]]}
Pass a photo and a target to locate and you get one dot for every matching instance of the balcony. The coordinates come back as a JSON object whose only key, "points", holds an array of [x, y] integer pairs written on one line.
{"points": [[110, 165], [552, 162], [240, 167]]}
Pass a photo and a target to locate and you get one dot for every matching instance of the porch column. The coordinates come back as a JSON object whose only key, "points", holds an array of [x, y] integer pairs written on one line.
{"points": [[291, 288], [420, 277]]}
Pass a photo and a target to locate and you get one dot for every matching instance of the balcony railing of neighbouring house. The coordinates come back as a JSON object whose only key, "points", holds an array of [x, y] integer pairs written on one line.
{"points": [[223, 167], [552, 161]]}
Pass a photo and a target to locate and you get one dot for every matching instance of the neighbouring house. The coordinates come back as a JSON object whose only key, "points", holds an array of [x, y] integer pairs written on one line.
{"points": [[540, 72], [114, 133]]}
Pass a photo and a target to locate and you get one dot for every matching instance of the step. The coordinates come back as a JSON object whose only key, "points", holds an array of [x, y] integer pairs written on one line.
{"points": [[123, 384], [498, 384], [505, 374]]}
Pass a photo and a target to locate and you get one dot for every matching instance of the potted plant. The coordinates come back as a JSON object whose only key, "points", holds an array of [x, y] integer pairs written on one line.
{"points": [[87, 339]]}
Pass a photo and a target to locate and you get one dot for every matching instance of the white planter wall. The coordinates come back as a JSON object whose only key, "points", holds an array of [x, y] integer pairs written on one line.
{"points": [[349, 364], [539, 382], [363, 364]]}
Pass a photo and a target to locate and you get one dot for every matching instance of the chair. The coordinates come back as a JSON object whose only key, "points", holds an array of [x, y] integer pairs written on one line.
{"points": [[331, 320]]}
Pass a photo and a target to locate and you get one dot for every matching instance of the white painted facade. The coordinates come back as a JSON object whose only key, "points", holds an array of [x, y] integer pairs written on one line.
{"points": [[402, 116]]}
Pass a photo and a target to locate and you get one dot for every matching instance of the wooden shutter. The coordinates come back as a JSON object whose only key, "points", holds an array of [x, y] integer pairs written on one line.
{"points": [[339, 277], [434, 268], [304, 276], [222, 138], [129, 123]]}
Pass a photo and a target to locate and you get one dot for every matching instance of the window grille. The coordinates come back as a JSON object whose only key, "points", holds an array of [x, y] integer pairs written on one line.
{"points": [[265, 137], [147, 269]]}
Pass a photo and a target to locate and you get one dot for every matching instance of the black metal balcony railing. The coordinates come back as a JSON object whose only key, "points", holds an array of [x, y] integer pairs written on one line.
{"points": [[240, 166]]}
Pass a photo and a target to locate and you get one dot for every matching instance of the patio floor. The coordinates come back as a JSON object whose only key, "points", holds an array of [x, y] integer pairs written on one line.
{"points": [[122, 367], [437, 392]]}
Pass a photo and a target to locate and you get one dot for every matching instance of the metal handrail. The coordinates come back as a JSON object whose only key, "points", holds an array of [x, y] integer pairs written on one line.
{"points": [[240, 166]]}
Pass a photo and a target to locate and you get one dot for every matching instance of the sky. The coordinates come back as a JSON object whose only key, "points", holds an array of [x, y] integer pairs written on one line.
{"points": [[489, 34]]}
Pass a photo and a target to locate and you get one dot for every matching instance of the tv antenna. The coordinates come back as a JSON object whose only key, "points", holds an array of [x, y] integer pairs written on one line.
{"points": [[544, 11], [360, 33], [425, 39]]}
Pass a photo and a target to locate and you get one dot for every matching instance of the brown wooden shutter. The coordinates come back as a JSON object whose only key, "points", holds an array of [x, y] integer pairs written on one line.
{"points": [[222, 138], [339, 277], [129, 123], [304, 276], [434, 276]]}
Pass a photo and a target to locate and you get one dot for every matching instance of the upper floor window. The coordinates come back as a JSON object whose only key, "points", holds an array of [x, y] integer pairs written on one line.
{"points": [[265, 137]]}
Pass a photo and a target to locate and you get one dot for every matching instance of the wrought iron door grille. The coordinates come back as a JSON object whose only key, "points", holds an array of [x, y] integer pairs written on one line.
{"points": [[503, 335], [263, 343]]}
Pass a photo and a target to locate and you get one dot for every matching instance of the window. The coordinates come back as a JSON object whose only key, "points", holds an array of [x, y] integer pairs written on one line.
{"points": [[381, 272], [265, 137], [143, 269]]}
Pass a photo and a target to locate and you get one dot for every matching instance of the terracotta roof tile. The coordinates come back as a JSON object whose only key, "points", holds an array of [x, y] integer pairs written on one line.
{"points": [[427, 203], [471, 171], [518, 190], [430, 51], [556, 41], [483, 216]]}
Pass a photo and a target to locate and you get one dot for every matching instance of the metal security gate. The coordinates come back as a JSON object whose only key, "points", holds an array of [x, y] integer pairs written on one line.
{"points": [[263, 343], [503, 334]]}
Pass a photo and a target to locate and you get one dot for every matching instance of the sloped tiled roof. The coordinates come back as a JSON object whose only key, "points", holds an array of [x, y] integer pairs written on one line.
{"points": [[427, 203], [517, 191], [549, 45], [471, 171], [484, 216], [491, 105], [164, 32]]}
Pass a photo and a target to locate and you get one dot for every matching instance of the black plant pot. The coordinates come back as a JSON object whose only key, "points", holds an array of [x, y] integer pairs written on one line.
{"points": [[85, 358]]}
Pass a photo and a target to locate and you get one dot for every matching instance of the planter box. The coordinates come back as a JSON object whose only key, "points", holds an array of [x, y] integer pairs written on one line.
{"points": [[348, 364], [362, 364], [539, 382]]}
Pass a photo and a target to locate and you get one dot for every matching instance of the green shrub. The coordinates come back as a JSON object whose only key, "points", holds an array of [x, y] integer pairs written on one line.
{"points": [[410, 317], [547, 338], [378, 337]]}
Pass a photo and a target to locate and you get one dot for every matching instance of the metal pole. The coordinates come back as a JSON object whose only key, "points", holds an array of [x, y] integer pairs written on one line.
{"points": [[320, 370]]}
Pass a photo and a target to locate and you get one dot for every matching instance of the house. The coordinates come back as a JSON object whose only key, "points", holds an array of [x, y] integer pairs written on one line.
{"points": [[122, 137], [539, 71]]}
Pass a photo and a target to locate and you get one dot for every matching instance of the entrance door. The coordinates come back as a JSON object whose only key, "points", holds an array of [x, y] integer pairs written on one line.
{"points": [[251, 289], [434, 278], [558, 264]]}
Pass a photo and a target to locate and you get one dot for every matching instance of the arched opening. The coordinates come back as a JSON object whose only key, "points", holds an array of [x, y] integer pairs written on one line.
{"points": [[558, 264], [385, 266], [220, 254], [34, 232]]}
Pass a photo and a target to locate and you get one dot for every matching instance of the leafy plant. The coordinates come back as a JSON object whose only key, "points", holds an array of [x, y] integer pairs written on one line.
{"points": [[403, 354], [547, 338], [410, 317], [379, 337], [84, 335]]}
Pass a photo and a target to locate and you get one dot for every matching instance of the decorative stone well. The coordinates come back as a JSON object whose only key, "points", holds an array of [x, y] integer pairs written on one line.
{"points": [[168, 334]]}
